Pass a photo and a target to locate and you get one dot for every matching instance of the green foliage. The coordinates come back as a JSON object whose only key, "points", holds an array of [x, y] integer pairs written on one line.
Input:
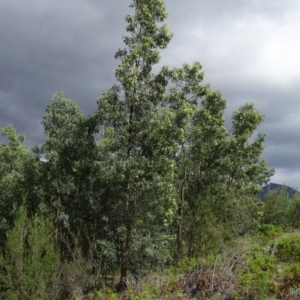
{"points": [[141, 136], [291, 282], [105, 294], [20, 179], [257, 274], [268, 232], [145, 291], [14, 158], [293, 211], [28, 263], [222, 172], [152, 175], [288, 248], [188, 264], [247, 170], [70, 170], [276, 206]]}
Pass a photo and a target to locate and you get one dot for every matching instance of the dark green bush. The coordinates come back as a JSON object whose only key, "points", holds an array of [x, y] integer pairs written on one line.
{"points": [[267, 233], [288, 248], [256, 275], [27, 266]]}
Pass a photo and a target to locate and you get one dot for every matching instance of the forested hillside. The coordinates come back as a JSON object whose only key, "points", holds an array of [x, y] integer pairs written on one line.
{"points": [[277, 187], [151, 179]]}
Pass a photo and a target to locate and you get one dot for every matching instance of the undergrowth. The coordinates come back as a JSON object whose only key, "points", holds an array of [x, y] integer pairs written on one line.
{"points": [[267, 268]]}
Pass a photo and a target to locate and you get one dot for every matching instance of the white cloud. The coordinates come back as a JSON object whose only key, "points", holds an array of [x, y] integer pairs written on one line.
{"points": [[282, 175], [242, 45]]}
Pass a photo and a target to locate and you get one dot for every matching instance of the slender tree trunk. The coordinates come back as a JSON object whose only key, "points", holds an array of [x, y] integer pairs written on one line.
{"points": [[126, 222], [181, 206], [77, 204], [180, 213], [57, 218], [124, 248]]}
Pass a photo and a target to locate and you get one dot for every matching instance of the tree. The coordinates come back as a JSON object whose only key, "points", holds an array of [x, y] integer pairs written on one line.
{"points": [[222, 171], [165, 178], [69, 150], [164, 154], [141, 141], [204, 159], [277, 208], [248, 171], [14, 157]]}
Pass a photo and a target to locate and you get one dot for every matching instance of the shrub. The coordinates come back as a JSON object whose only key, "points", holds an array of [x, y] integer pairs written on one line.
{"points": [[268, 232], [288, 248], [291, 282], [257, 273], [28, 262]]}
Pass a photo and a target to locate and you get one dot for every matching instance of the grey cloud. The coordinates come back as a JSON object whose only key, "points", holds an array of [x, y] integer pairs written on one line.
{"points": [[52, 46], [284, 156], [47, 46]]}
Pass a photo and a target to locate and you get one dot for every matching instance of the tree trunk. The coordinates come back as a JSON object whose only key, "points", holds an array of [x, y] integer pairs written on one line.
{"points": [[180, 213], [122, 285], [180, 209], [57, 218], [124, 247]]}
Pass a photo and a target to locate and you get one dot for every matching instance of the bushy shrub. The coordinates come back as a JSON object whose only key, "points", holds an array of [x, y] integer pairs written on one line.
{"points": [[256, 275], [268, 232], [288, 248], [29, 260], [290, 289]]}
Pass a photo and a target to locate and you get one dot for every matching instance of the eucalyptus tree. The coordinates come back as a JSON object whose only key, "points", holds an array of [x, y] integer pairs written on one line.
{"points": [[203, 168], [159, 153], [144, 124], [137, 128], [69, 154], [14, 157], [247, 170], [225, 171]]}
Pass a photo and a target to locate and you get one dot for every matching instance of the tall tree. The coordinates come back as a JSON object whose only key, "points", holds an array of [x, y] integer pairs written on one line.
{"points": [[248, 171], [204, 160], [221, 171], [69, 149], [14, 156], [156, 139], [142, 142]]}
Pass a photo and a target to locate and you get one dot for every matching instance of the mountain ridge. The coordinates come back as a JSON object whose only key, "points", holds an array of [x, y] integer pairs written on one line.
{"points": [[276, 186]]}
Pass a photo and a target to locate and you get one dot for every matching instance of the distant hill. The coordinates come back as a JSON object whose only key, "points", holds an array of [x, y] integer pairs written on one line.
{"points": [[275, 186]]}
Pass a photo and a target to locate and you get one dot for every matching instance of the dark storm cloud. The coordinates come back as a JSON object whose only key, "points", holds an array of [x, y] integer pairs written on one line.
{"points": [[47, 46], [249, 51]]}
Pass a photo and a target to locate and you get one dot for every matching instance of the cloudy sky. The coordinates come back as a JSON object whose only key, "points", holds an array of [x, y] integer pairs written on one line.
{"points": [[249, 51]]}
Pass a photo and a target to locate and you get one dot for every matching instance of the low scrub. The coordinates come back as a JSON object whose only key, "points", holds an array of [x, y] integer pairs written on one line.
{"points": [[28, 262], [287, 249], [257, 274]]}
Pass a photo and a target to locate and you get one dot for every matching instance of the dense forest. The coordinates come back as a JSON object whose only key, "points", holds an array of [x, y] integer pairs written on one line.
{"points": [[152, 179]]}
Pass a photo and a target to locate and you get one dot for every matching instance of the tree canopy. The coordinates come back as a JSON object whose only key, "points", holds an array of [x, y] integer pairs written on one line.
{"points": [[164, 169]]}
